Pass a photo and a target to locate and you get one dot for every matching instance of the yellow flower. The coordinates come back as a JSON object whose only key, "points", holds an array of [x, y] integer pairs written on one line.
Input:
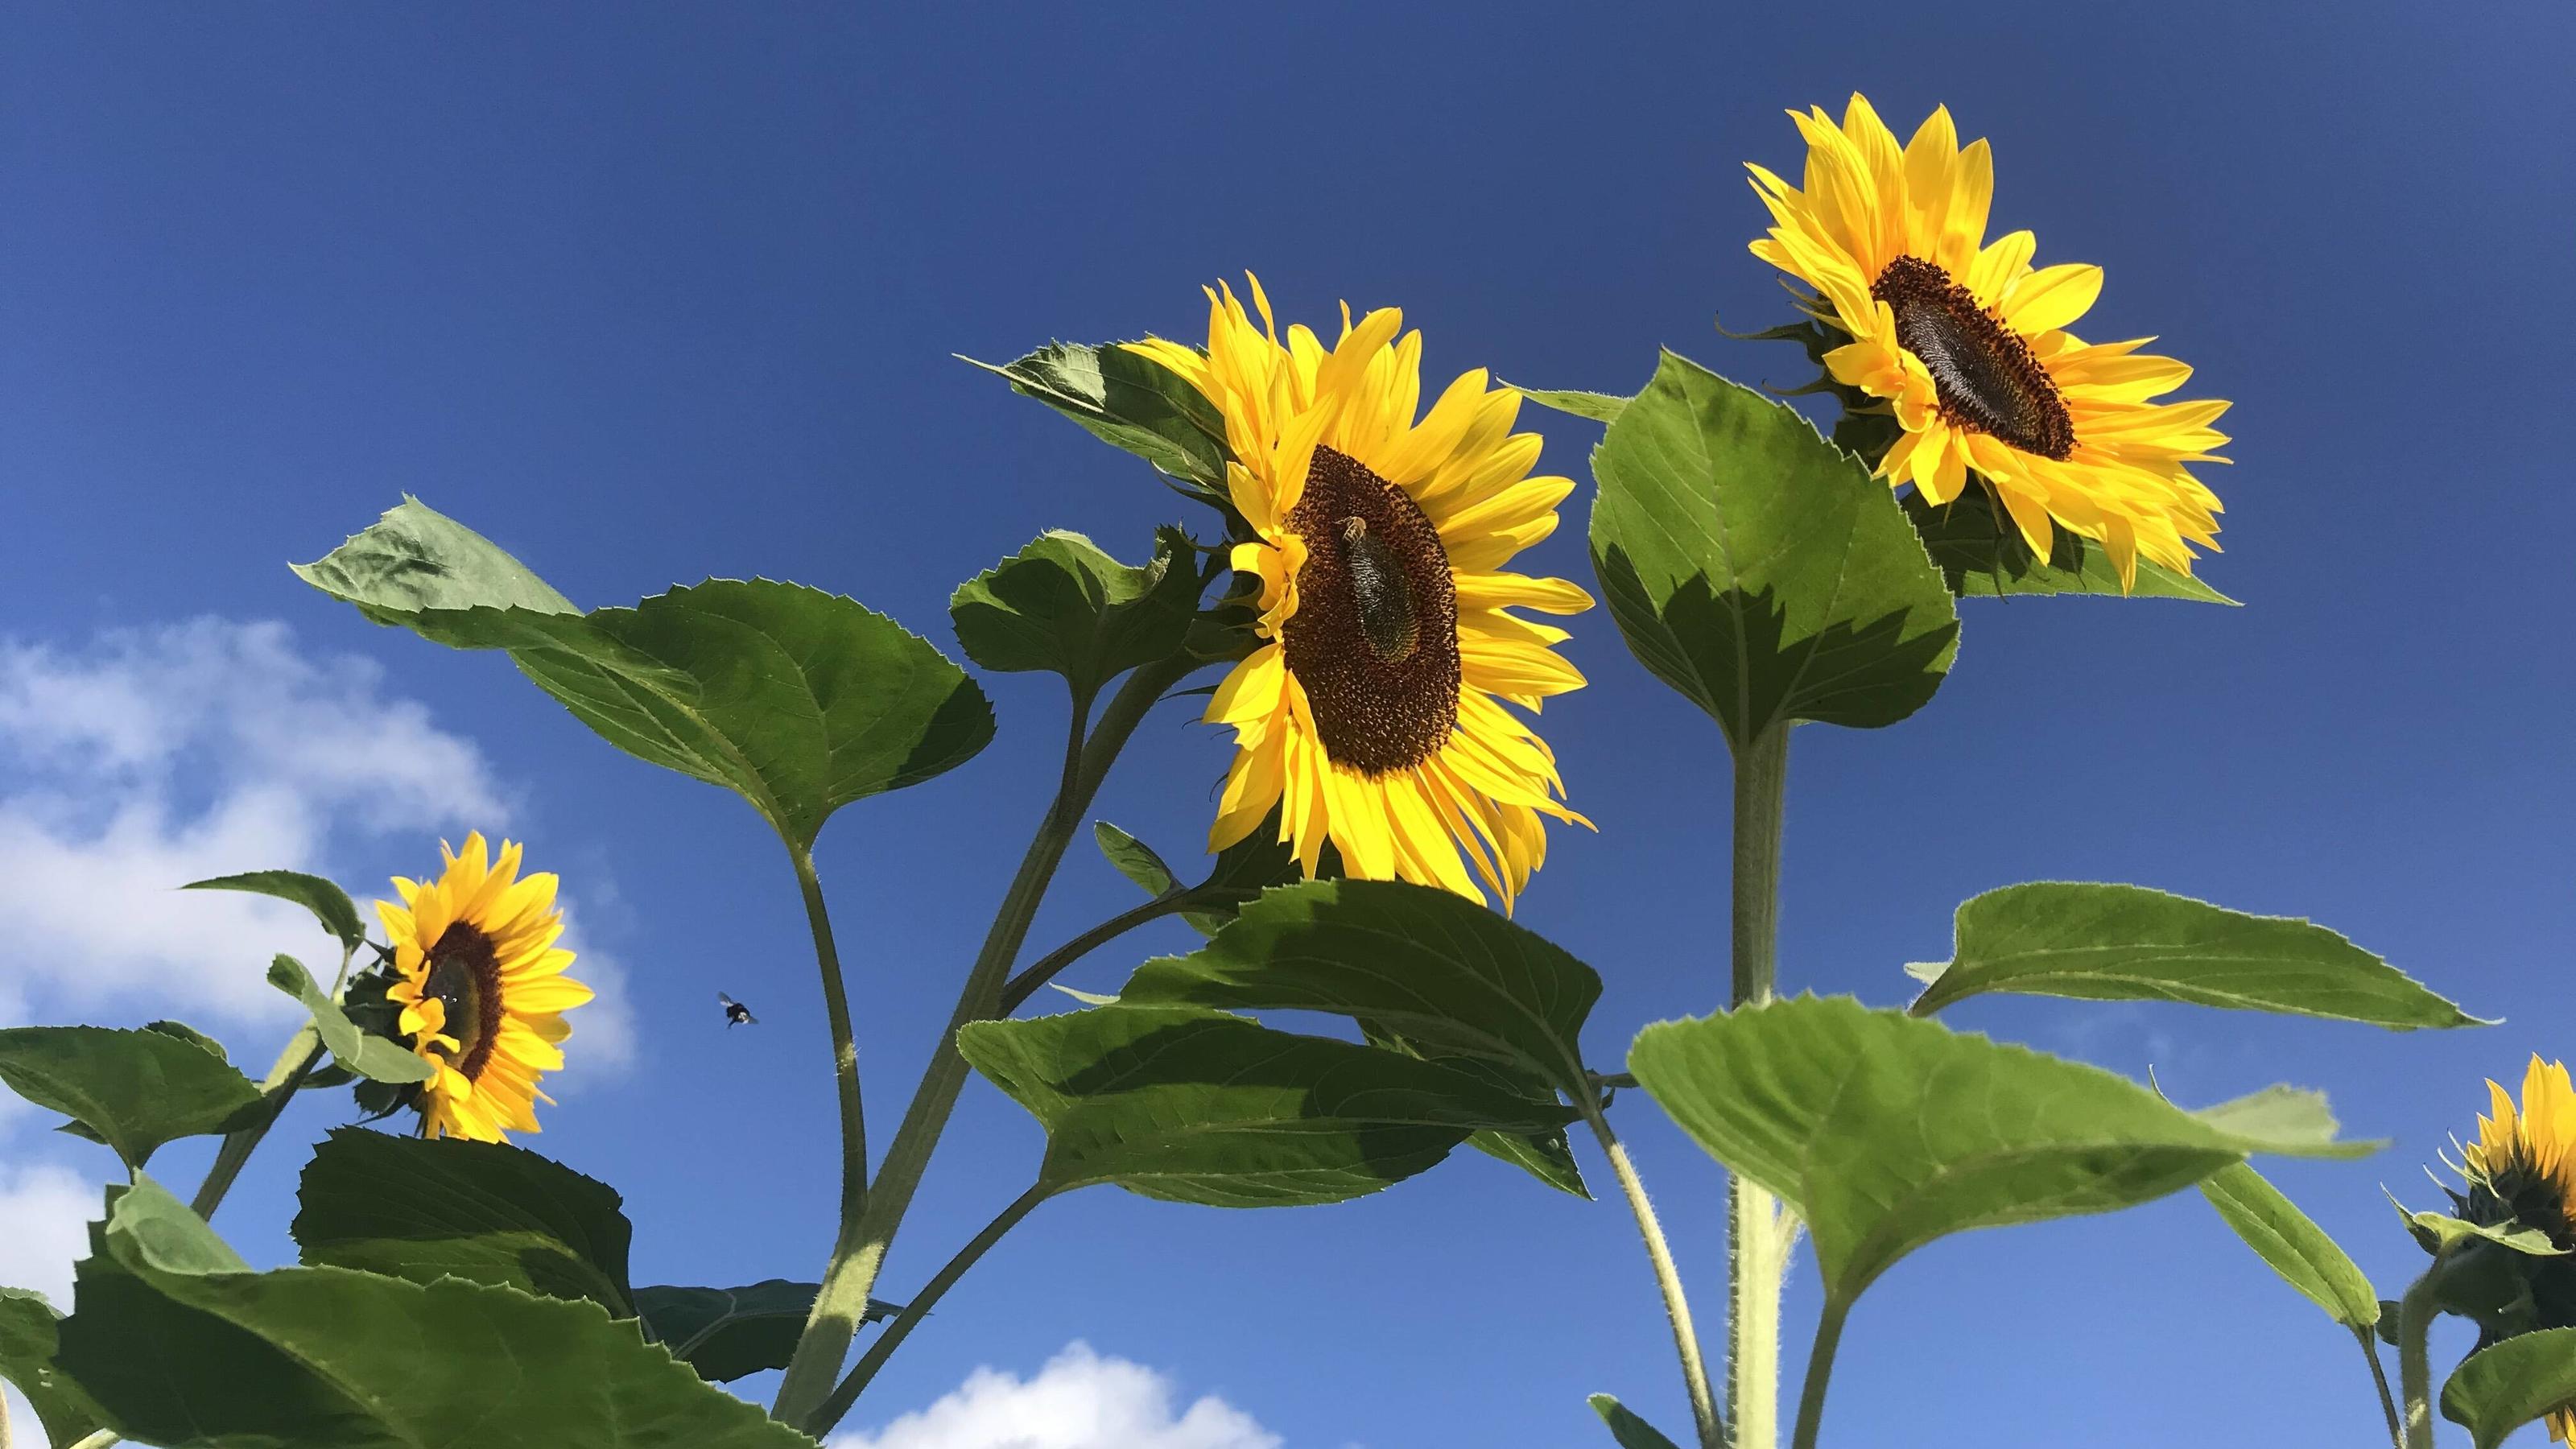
{"points": [[1966, 342], [2522, 1168], [1375, 714], [482, 989]]}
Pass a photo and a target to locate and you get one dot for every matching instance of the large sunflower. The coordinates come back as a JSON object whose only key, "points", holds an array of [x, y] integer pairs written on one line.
{"points": [[1374, 714], [482, 989], [2522, 1171], [1967, 343]]}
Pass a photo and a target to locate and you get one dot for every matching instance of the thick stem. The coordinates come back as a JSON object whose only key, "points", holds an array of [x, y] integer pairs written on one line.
{"points": [[1044, 970], [2379, 1377], [946, 1278], [859, 1255], [1820, 1368], [845, 1045], [2415, 1314], [1758, 1234], [1704, 1415], [303, 1050]]}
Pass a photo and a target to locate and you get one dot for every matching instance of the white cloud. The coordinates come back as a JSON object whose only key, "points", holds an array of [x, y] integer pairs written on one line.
{"points": [[48, 1209], [1078, 1401]]}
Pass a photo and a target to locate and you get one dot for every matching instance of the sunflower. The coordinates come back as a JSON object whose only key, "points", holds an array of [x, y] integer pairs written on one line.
{"points": [[482, 990], [2522, 1171], [1966, 343], [1373, 715]]}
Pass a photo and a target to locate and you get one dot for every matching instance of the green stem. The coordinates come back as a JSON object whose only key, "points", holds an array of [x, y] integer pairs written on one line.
{"points": [[946, 1278], [1820, 1368], [2379, 1376], [1026, 984], [303, 1050], [2415, 1314], [860, 1253], [1704, 1415], [845, 1046], [1758, 1233]]}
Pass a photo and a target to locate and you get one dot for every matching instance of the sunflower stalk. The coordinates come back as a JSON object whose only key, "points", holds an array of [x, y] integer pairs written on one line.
{"points": [[806, 1389], [2415, 1314], [303, 1051], [1704, 1414], [849, 1389], [1759, 1232]]}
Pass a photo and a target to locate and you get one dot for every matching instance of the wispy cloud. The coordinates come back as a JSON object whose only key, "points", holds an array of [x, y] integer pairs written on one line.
{"points": [[1079, 1400]]}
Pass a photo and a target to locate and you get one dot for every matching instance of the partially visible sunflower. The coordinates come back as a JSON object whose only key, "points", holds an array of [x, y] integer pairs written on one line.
{"points": [[1374, 715], [482, 990], [1967, 343], [2522, 1170]]}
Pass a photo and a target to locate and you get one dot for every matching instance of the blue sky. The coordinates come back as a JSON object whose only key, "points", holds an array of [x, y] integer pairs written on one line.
{"points": [[649, 293]]}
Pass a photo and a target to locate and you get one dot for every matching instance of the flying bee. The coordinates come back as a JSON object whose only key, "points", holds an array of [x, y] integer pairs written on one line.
{"points": [[736, 1014]]}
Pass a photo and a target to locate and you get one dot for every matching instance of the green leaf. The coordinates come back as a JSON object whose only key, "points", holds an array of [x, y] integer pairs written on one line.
{"points": [[1442, 972], [1759, 569], [1631, 1431], [1543, 1155], [329, 904], [193, 1037], [1129, 401], [370, 1056], [1063, 606], [27, 1344], [726, 1333], [1885, 1132], [133, 1089], [487, 1212], [1982, 553], [2293, 1244], [798, 700], [1197, 1106], [2129, 943], [327, 1358], [2498, 1390], [1600, 407], [1134, 859], [2441, 1232]]}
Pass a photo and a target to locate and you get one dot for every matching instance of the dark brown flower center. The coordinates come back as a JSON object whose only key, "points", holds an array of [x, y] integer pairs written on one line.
{"points": [[465, 973], [1986, 375], [1374, 640]]}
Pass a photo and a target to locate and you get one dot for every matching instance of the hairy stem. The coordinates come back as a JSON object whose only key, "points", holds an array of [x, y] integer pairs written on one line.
{"points": [[1668, 1278], [946, 1278], [1026, 984], [860, 1252], [1758, 1233], [2415, 1313], [303, 1050], [2379, 1377], [845, 1045], [1820, 1368]]}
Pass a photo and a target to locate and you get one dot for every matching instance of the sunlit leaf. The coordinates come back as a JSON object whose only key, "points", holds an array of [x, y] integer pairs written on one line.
{"points": [[329, 904], [726, 1333], [1063, 606], [369, 1056], [1134, 859], [489, 1212], [1198, 1106], [1980, 553], [1600, 407], [1759, 569], [328, 1358], [2128, 943], [1884, 1132], [1543, 1155], [1440, 971], [133, 1090], [798, 700], [1129, 401], [2293, 1244], [2498, 1390], [27, 1342]]}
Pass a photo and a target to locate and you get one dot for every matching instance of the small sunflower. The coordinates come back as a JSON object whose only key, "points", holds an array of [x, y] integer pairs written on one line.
{"points": [[1967, 344], [2522, 1170], [482, 990], [1374, 714]]}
